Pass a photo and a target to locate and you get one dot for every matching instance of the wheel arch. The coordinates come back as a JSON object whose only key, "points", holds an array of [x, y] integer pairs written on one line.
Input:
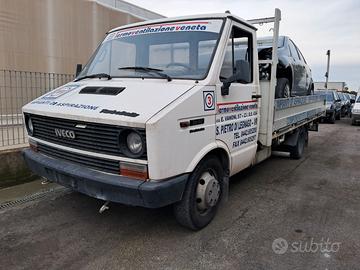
{"points": [[286, 71], [218, 149]]}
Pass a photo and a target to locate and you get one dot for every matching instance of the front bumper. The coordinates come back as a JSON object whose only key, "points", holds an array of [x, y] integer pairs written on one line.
{"points": [[106, 186], [355, 117]]}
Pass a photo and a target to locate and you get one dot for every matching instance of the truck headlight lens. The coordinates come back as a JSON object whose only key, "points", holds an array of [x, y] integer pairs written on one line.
{"points": [[134, 143], [29, 125]]}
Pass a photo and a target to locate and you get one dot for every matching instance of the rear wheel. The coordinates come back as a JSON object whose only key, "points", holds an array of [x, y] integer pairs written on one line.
{"points": [[310, 90], [297, 151], [202, 195], [283, 89]]}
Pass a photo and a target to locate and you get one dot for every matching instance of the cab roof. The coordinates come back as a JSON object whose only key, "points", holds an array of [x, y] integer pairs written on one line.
{"points": [[184, 18]]}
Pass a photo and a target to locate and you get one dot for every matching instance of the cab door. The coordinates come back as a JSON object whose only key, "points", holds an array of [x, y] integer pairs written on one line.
{"points": [[238, 106]]}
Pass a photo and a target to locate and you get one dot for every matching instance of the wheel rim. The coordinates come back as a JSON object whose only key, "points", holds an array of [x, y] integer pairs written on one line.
{"points": [[207, 192]]}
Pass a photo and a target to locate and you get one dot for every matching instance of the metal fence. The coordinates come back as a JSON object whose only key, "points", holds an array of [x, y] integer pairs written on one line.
{"points": [[16, 89]]}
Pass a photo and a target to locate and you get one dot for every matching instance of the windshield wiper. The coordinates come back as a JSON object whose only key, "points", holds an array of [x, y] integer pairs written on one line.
{"points": [[97, 75], [149, 69]]}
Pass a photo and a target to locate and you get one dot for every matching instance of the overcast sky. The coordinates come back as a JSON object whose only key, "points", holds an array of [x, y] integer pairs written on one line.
{"points": [[314, 25]]}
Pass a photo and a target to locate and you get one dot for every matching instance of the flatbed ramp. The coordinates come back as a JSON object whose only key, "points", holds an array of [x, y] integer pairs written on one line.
{"points": [[290, 113]]}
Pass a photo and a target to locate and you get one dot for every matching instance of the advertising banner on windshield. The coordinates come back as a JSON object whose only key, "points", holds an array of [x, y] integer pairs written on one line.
{"points": [[184, 26]]}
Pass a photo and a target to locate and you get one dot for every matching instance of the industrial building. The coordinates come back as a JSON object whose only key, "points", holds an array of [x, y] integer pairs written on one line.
{"points": [[54, 35], [339, 86]]}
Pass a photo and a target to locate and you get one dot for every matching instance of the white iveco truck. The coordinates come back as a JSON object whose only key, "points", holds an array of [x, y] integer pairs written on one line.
{"points": [[164, 112]]}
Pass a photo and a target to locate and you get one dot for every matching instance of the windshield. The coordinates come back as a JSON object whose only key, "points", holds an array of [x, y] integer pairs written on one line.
{"points": [[341, 96], [358, 99], [182, 50], [329, 97]]}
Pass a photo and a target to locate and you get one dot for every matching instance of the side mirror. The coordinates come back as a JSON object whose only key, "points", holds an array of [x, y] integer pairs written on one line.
{"points": [[352, 100], [338, 100], [78, 69], [241, 75]]}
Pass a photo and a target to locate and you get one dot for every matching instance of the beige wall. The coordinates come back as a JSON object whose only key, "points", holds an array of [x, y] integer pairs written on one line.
{"points": [[53, 35]]}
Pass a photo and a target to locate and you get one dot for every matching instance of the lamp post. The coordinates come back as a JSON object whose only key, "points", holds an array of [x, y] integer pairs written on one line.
{"points": [[327, 69]]}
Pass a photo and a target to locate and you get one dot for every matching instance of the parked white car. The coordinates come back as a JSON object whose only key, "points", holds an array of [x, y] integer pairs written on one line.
{"points": [[355, 112]]}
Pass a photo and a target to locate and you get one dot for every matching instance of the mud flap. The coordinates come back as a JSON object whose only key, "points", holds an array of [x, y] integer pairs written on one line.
{"points": [[292, 139]]}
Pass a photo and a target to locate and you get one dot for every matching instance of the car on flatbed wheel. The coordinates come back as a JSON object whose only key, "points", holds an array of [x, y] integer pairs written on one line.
{"points": [[293, 73]]}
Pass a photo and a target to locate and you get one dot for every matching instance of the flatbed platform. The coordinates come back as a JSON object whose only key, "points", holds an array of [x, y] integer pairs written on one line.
{"points": [[289, 113]]}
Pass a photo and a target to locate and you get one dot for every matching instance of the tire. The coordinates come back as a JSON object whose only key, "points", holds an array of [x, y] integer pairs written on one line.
{"points": [[193, 212], [311, 90], [342, 112], [332, 119], [353, 122], [297, 151], [337, 117], [283, 89]]}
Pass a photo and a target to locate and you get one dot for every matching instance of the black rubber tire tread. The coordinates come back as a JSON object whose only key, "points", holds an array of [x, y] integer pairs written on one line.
{"points": [[185, 211], [280, 87], [297, 151]]}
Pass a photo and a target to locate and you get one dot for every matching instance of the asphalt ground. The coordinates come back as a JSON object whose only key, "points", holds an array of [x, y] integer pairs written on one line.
{"points": [[281, 214]]}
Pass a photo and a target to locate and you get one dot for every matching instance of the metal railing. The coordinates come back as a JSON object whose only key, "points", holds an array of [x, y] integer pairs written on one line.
{"points": [[16, 89]]}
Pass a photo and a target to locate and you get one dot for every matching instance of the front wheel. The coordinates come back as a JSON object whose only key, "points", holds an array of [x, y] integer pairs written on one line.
{"points": [[202, 195]]}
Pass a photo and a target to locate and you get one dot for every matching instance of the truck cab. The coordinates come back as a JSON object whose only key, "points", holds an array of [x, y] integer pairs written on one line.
{"points": [[164, 112]]}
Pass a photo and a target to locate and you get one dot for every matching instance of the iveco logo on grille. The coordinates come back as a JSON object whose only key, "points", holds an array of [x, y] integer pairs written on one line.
{"points": [[64, 133]]}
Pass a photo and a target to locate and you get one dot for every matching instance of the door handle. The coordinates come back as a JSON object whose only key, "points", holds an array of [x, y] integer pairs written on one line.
{"points": [[255, 96]]}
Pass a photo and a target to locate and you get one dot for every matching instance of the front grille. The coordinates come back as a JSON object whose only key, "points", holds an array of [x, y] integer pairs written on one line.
{"points": [[101, 164], [99, 138]]}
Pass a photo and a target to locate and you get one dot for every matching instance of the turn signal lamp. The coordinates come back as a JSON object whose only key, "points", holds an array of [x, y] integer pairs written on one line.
{"points": [[134, 170]]}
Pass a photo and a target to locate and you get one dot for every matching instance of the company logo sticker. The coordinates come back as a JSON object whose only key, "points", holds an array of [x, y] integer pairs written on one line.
{"points": [[61, 91], [209, 100]]}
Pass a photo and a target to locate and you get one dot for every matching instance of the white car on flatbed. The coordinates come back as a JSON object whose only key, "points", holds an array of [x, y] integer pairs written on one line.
{"points": [[165, 112]]}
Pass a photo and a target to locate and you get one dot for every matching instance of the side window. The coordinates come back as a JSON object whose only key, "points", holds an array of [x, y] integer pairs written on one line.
{"points": [[238, 60], [301, 55], [293, 50]]}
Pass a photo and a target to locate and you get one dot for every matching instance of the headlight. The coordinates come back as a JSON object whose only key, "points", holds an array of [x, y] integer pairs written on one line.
{"points": [[29, 125], [134, 143]]}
